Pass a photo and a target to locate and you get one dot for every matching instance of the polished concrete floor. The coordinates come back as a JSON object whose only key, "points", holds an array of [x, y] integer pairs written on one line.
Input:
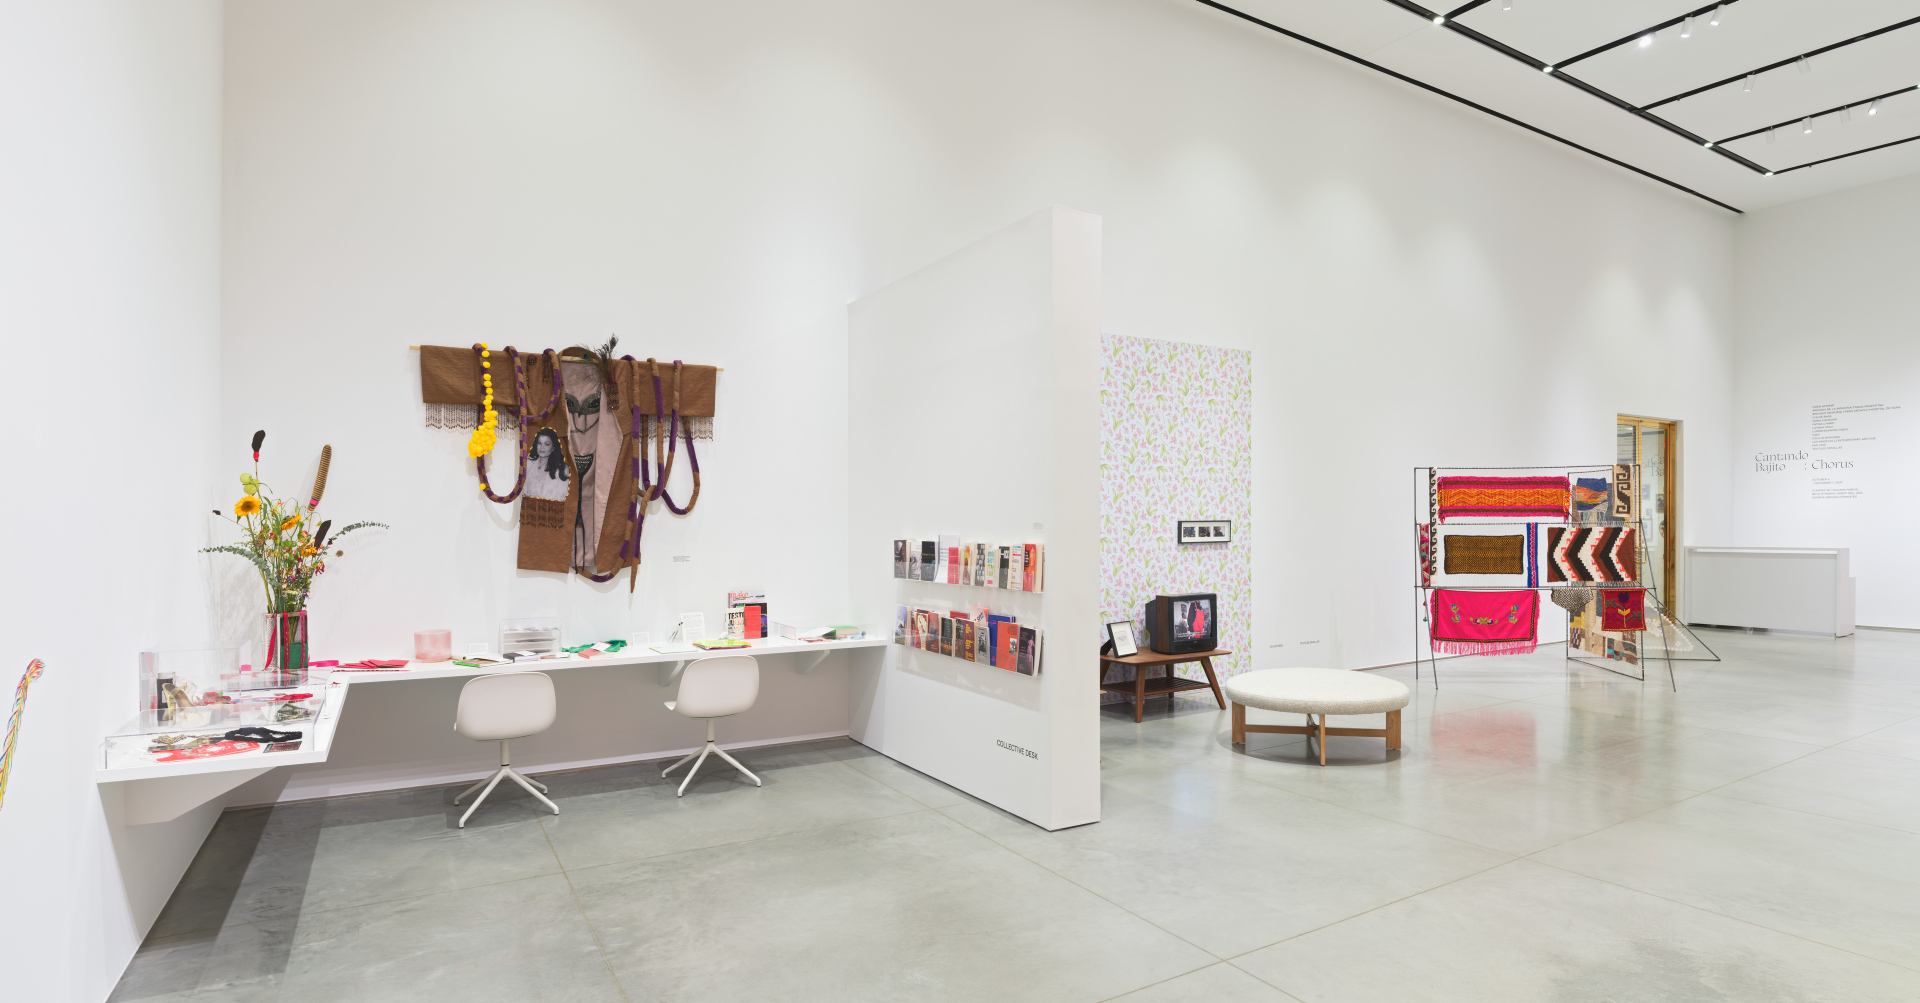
{"points": [[1550, 833]]}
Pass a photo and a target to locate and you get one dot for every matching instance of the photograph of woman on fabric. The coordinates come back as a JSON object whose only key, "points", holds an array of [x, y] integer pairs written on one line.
{"points": [[547, 471]]}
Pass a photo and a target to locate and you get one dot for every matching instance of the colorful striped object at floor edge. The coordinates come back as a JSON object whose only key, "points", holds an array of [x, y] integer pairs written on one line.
{"points": [[34, 670], [1511, 497], [1623, 609], [1485, 623]]}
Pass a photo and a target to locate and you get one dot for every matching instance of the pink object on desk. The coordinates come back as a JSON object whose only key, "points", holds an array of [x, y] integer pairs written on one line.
{"points": [[432, 645], [329, 663]]}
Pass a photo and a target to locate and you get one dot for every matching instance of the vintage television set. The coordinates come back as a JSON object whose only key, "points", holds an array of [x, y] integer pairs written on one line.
{"points": [[1179, 625]]}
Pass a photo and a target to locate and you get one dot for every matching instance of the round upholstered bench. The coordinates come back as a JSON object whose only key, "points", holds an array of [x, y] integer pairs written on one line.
{"points": [[1317, 693]]}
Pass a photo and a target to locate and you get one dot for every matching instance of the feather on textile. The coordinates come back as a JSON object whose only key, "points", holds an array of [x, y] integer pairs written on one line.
{"points": [[1485, 623]]}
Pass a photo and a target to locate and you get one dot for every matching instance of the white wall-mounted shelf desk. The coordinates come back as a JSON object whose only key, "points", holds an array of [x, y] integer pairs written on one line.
{"points": [[158, 792]]}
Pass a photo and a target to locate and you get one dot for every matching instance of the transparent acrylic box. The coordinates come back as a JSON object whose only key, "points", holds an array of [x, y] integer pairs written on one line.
{"points": [[538, 634]]}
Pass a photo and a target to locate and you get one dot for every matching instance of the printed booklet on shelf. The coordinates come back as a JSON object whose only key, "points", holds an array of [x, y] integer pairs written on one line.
{"points": [[899, 558]]}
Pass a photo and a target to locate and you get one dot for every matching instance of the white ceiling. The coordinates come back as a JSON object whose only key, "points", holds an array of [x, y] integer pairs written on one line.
{"points": [[1400, 35]]}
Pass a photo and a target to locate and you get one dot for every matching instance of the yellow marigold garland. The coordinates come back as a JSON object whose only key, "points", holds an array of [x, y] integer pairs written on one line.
{"points": [[484, 437]]}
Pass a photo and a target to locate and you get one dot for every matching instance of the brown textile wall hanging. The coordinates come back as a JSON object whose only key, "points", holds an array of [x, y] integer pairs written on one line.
{"points": [[590, 467], [1485, 555]]}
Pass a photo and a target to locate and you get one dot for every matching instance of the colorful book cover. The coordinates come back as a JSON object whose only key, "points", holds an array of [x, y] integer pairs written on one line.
{"points": [[966, 564], [917, 629], [1039, 567], [1028, 662], [994, 646], [927, 559], [950, 560], [899, 558], [982, 565], [1000, 568], [946, 635], [1009, 648], [1029, 567], [968, 638], [930, 630], [1017, 568], [900, 620]]}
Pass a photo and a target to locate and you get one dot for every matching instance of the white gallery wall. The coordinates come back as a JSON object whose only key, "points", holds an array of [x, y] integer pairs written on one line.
{"points": [[109, 320], [1025, 742], [1827, 414], [1419, 284]]}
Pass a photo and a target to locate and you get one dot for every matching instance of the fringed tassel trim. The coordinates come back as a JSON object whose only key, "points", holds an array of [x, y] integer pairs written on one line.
{"points": [[1485, 647]]}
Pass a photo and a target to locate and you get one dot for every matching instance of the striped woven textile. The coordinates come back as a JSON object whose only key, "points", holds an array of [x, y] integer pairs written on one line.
{"points": [[1511, 497]]}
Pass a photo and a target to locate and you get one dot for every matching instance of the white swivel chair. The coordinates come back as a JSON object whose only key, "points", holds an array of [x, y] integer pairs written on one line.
{"points": [[711, 688], [499, 707]]}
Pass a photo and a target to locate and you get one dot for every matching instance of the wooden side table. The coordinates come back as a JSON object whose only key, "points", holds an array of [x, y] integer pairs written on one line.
{"points": [[1140, 687]]}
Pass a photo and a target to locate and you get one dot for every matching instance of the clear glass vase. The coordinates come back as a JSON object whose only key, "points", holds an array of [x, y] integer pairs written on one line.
{"points": [[287, 652]]}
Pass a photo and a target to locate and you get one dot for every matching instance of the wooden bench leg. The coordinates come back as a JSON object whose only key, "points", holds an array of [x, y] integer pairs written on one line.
{"points": [[1323, 740], [1393, 730], [1239, 724]]}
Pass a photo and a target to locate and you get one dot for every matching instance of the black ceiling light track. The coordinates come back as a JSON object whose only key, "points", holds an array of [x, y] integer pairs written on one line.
{"points": [[1475, 105], [1570, 80], [1817, 114], [1644, 32], [1789, 61], [1645, 112]]}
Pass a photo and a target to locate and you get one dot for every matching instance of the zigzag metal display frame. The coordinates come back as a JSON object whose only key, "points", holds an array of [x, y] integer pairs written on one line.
{"points": [[1576, 529]]}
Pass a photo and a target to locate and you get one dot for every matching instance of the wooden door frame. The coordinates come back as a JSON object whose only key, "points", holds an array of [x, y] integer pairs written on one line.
{"points": [[1670, 571]]}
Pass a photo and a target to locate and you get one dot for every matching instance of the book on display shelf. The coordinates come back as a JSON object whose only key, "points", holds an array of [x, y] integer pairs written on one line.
{"points": [[946, 635], [1028, 662], [966, 564], [1029, 567], [899, 558], [1017, 568], [927, 559], [983, 558], [949, 560], [900, 622], [969, 637], [1000, 569], [1009, 648]]}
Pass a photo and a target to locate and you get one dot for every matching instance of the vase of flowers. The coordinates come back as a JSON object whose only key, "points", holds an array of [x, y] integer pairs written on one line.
{"points": [[287, 544]]}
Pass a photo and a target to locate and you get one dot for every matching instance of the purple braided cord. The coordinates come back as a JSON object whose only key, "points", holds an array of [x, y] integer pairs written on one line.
{"points": [[673, 429]]}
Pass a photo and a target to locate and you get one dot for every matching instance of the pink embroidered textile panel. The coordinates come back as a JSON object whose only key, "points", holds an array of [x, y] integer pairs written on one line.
{"points": [[1176, 423]]}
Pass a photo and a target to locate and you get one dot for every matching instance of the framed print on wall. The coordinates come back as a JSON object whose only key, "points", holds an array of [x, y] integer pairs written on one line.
{"points": [[1204, 531]]}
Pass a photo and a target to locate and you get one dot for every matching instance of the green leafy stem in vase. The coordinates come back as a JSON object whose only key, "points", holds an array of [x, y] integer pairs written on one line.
{"points": [[285, 541]]}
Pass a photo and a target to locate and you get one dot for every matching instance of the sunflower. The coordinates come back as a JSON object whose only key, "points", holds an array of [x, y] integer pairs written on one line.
{"points": [[246, 506], [292, 521]]}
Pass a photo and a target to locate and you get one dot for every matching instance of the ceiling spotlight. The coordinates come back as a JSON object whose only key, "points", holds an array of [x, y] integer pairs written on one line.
{"points": [[1646, 39], [1708, 144], [1805, 66], [1806, 126], [1506, 4], [1715, 19], [1439, 19], [1769, 174], [1749, 85], [1686, 27], [1874, 108], [1546, 69]]}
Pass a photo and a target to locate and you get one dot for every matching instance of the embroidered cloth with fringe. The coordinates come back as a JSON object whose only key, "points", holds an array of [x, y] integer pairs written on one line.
{"points": [[1485, 623]]}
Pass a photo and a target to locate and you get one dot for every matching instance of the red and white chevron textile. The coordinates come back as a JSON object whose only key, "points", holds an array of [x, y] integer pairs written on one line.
{"points": [[1591, 554]]}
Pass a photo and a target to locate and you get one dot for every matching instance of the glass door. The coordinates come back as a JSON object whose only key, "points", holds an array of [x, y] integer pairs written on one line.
{"points": [[1650, 443]]}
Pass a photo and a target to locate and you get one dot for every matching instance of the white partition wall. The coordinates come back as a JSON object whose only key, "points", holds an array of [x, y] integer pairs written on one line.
{"points": [[973, 410]]}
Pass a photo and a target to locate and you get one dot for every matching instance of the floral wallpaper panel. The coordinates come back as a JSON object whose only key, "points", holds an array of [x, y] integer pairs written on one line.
{"points": [[1176, 442]]}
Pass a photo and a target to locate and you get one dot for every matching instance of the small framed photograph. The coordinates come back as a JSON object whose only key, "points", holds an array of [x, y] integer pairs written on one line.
{"points": [[1205, 531], [1120, 632]]}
